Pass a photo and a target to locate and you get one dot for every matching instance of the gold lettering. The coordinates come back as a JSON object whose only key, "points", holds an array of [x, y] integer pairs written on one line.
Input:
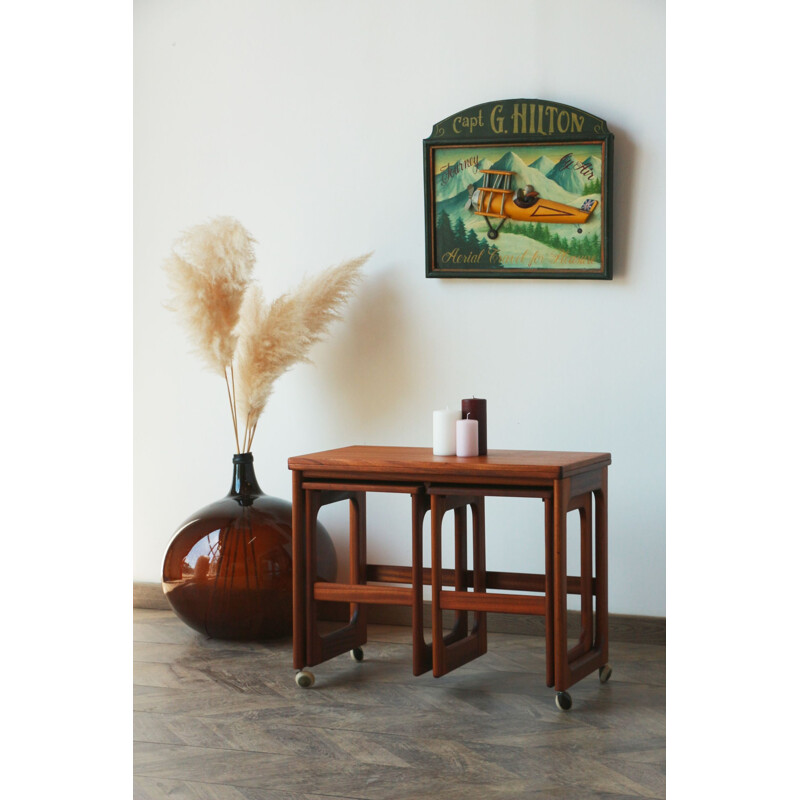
{"points": [[455, 256], [519, 118], [535, 118], [462, 123], [497, 121], [551, 110], [536, 258]]}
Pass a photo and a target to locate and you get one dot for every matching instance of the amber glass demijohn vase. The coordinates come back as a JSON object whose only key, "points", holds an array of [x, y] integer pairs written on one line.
{"points": [[228, 569]]}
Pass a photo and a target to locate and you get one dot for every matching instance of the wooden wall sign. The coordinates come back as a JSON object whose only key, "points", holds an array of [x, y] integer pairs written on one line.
{"points": [[518, 189]]}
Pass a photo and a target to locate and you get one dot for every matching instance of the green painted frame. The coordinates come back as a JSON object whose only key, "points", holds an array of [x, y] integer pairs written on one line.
{"points": [[462, 241]]}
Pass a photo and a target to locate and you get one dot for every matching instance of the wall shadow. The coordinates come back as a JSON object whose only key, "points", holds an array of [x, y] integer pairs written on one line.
{"points": [[374, 358], [626, 156]]}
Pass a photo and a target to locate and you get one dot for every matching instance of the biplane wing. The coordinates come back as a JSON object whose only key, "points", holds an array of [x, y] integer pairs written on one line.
{"points": [[490, 199]]}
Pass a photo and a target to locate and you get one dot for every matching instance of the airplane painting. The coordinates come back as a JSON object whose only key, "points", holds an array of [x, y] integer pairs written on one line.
{"points": [[519, 188], [496, 200], [518, 209]]}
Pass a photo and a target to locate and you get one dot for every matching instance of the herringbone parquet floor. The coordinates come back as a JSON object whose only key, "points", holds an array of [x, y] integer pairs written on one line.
{"points": [[220, 721]]}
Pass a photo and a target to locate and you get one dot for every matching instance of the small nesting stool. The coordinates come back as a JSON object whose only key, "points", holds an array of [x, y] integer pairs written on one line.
{"points": [[310, 646], [462, 644]]}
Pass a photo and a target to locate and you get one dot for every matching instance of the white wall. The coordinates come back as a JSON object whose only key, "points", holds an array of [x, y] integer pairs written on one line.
{"points": [[250, 108]]}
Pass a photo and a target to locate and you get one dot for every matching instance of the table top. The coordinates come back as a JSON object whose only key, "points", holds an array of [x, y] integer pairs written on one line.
{"points": [[419, 463]]}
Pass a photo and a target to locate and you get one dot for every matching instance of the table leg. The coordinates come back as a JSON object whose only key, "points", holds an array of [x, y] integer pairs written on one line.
{"points": [[298, 572], [358, 559], [479, 569], [461, 625], [438, 508], [313, 645], [583, 505], [561, 490], [601, 567], [422, 652], [550, 667]]}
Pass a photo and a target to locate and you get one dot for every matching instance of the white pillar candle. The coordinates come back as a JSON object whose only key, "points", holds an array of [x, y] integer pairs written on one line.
{"points": [[467, 437], [444, 432]]}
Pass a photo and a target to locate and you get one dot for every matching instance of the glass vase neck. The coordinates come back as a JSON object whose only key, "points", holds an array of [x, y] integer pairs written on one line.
{"points": [[244, 482]]}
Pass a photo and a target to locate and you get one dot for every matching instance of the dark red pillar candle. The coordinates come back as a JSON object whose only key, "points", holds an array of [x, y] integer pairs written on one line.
{"points": [[477, 410]]}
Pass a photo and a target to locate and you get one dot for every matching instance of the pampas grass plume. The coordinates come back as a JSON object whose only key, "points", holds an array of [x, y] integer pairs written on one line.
{"points": [[235, 331], [209, 270], [273, 338], [270, 341]]}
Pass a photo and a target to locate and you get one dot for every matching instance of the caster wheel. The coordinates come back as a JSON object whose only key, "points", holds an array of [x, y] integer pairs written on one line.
{"points": [[357, 654], [605, 673], [563, 701], [304, 679]]}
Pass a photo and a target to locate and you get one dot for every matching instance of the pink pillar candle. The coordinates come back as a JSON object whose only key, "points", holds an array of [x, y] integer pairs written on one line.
{"points": [[467, 437], [476, 409]]}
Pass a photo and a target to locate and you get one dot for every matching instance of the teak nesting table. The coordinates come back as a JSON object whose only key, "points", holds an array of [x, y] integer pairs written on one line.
{"points": [[437, 484]]}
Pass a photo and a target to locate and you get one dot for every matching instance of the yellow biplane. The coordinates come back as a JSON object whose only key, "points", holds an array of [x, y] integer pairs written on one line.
{"points": [[497, 200]]}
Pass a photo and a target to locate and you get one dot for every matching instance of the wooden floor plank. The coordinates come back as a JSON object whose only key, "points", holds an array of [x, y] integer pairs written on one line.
{"points": [[225, 721]]}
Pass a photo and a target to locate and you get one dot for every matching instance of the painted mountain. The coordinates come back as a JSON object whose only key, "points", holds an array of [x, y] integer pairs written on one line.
{"points": [[543, 164], [574, 175], [596, 164], [531, 175], [447, 187]]}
